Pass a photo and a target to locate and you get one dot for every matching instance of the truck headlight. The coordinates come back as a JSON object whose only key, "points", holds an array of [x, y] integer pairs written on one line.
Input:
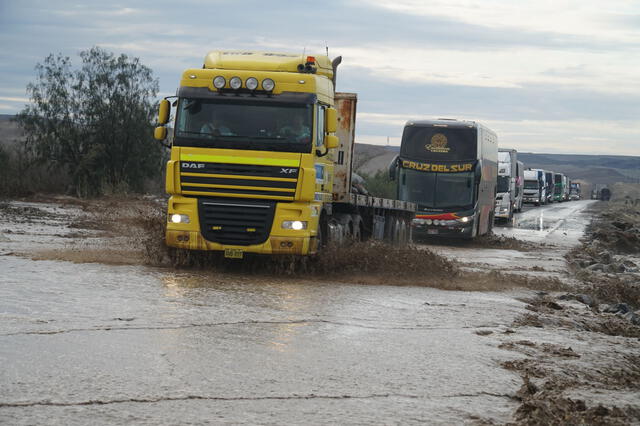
{"points": [[235, 83], [268, 84], [219, 82], [179, 218], [296, 225], [251, 83], [464, 219]]}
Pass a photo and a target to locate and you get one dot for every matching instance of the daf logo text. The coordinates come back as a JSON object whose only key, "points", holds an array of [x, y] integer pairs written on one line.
{"points": [[287, 171], [193, 165]]}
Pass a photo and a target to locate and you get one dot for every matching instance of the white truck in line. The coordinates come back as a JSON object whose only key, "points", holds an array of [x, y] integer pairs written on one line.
{"points": [[535, 186], [510, 184]]}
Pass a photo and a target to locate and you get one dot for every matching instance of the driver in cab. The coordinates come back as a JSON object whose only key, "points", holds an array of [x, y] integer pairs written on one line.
{"points": [[217, 127]]}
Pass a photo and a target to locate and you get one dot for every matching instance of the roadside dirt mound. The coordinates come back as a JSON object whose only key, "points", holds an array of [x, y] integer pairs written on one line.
{"points": [[554, 374]]}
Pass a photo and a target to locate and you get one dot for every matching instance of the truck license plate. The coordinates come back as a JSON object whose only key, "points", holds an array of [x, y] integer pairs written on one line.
{"points": [[432, 231], [233, 253]]}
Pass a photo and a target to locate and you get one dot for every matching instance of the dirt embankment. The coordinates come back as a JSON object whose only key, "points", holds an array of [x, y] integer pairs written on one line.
{"points": [[566, 386]]}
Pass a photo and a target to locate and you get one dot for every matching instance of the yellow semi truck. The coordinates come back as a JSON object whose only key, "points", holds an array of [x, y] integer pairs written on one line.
{"points": [[261, 157]]}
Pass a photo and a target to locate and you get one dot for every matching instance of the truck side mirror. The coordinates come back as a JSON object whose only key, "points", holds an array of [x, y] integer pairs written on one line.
{"points": [[393, 167], [163, 111], [331, 141], [331, 120], [160, 133]]}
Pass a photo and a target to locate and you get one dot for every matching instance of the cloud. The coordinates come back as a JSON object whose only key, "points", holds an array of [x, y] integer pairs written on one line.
{"points": [[590, 18], [13, 99], [525, 68]]}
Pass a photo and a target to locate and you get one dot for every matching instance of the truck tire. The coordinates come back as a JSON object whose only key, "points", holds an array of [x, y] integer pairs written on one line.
{"points": [[405, 233], [322, 235], [358, 227]]}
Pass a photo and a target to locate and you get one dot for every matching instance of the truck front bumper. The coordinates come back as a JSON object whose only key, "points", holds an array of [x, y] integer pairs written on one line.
{"points": [[188, 234]]}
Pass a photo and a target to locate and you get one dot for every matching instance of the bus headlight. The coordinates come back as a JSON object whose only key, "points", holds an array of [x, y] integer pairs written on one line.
{"points": [[235, 83], [179, 218], [219, 82], [251, 83], [268, 84], [296, 225], [464, 219]]}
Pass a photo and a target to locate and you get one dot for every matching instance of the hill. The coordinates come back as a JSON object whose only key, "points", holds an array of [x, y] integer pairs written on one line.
{"points": [[607, 169]]}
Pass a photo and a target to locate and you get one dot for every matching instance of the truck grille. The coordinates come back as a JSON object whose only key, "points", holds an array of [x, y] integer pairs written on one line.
{"points": [[239, 180], [235, 222]]}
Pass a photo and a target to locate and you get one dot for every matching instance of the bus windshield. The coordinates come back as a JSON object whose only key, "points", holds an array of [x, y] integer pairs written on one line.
{"points": [[531, 184], [260, 125], [437, 190]]}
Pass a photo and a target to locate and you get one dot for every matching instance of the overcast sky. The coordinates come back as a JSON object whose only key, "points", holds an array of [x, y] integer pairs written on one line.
{"points": [[548, 76]]}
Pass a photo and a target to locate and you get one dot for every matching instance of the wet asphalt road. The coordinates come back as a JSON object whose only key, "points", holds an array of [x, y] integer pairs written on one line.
{"points": [[100, 344]]}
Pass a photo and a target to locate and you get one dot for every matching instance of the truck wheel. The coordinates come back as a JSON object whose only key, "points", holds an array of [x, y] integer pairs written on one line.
{"points": [[396, 232], [357, 233], [404, 234], [322, 235]]}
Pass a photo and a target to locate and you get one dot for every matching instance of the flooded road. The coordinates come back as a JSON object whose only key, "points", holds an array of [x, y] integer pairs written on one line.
{"points": [[81, 343], [552, 230], [560, 224], [95, 343]]}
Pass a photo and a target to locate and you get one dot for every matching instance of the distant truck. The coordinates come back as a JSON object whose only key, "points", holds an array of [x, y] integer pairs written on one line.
{"points": [[509, 194], [548, 176], [575, 193], [449, 168], [261, 159], [597, 192], [559, 181], [535, 187], [567, 188]]}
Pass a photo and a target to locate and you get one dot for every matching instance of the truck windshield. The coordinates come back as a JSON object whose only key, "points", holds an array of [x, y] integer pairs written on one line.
{"points": [[531, 184], [437, 190], [503, 183], [258, 125]]}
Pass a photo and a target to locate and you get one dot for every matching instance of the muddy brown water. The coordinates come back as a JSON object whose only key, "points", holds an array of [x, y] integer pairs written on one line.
{"points": [[121, 343]]}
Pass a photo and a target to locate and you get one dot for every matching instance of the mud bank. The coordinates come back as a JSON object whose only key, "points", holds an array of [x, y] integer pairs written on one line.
{"points": [[593, 375]]}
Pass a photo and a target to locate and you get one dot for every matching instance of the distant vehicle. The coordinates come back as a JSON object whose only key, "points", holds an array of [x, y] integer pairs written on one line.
{"points": [[548, 176], [449, 168], [509, 196], [566, 188], [559, 186], [596, 192], [535, 187], [605, 194], [520, 184], [574, 193]]}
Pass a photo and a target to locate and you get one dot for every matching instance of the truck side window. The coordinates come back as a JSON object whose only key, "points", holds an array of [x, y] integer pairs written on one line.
{"points": [[320, 125]]}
